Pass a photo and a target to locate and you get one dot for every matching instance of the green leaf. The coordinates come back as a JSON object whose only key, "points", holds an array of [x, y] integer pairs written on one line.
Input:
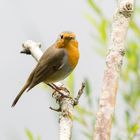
{"points": [[132, 56], [87, 87], [93, 21], [70, 83], [88, 92], [94, 6], [135, 128], [103, 31], [127, 120], [84, 111], [80, 120], [135, 28], [29, 134]]}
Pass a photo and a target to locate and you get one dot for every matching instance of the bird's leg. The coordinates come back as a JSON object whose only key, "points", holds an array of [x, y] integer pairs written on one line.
{"points": [[50, 85], [60, 88], [53, 87], [57, 89]]}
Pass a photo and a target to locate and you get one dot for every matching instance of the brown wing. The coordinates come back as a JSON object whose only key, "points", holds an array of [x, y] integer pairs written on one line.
{"points": [[48, 64]]}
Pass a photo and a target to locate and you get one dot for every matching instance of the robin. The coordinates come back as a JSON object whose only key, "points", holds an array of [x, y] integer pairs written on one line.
{"points": [[57, 62]]}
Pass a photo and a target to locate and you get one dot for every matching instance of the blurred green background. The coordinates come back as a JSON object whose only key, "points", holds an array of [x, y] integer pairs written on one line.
{"points": [[43, 20]]}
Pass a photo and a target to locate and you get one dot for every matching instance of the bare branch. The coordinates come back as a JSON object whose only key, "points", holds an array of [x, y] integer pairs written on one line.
{"points": [[112, 71], [76, 99]]}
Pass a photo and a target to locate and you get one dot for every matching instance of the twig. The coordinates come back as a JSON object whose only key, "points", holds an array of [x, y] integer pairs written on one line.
{"points": [[76, 99], [113, 67], [63, 98]]}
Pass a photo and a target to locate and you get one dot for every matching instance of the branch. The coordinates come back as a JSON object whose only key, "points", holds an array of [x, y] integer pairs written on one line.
{"points": [[112, 71], [65, 101]]}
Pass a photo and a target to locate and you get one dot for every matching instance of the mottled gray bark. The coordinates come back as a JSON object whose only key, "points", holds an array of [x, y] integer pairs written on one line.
{"points": [[114, 61]]}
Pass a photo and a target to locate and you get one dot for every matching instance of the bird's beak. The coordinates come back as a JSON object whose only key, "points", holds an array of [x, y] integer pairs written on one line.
{"points": [[70, 37]]}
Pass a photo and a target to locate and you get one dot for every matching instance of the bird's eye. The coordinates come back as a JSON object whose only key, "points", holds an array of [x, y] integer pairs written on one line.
{"points": [[61, 36]]}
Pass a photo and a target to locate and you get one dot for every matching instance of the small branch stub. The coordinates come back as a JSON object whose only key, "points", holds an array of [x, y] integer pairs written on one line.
{"points": [[126, 7], [76, 100]]}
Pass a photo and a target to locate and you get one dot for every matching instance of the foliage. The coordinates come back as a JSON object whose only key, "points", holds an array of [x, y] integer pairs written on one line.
{"points": [[30, 135], [130, 78]]}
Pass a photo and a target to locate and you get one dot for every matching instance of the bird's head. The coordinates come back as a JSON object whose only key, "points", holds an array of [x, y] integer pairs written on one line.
{"points": [[65, 39]]}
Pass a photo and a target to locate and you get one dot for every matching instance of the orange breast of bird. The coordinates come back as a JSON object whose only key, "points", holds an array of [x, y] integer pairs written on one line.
{"points": [[73, 53]]}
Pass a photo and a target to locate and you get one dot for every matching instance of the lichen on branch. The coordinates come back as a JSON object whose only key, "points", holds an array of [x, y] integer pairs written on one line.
{"points": [[114, 62]]}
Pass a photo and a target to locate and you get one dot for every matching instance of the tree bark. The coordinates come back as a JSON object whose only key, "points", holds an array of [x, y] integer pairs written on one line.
{"points": [[114, 61]]}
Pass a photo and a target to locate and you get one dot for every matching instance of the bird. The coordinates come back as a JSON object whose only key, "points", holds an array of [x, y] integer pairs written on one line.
{"points": [[56, 63]]}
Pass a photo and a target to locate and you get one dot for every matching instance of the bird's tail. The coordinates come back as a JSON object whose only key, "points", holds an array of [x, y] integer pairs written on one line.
{"points": [[20, 93], [27, 85]]}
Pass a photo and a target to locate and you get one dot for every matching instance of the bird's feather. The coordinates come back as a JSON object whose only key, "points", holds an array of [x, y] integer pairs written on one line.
{"points": [[49, 63]]}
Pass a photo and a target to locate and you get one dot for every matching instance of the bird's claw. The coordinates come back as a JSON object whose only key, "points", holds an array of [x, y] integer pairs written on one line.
{"points": [[54, 109], [76, 101], [61, 94]]}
